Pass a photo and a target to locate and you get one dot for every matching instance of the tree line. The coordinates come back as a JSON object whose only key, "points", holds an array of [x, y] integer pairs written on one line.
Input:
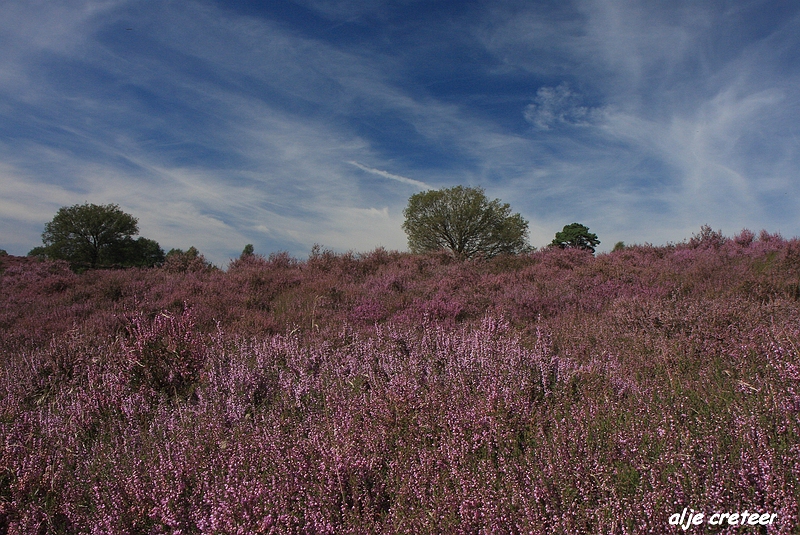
{"points": [[91, 236], [464, 221], [460, 219]]}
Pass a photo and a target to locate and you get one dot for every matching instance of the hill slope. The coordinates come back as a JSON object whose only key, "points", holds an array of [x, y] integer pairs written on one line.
{"points": [[392, 393]]}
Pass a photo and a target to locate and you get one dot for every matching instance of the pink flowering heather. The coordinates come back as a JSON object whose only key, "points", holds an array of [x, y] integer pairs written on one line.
{"points": [[555, 392]]}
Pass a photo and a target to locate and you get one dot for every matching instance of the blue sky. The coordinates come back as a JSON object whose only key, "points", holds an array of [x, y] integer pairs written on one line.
{"points": [[289, 123]]}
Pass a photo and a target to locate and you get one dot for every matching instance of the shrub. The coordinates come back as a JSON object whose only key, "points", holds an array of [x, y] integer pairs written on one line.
{"points": [[165, 352], [707, 238], [178, 261]]}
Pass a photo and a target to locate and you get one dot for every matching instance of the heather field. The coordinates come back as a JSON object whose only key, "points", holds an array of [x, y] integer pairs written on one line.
{"points": [[555, 392]]}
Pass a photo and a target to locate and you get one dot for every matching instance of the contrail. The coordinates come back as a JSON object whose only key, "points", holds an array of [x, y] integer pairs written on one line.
{"points": [[386, 174]]}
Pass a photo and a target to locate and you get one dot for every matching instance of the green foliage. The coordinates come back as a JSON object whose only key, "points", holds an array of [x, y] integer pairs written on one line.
{"points": [[248, 250], [94, 235], [465, 222], [38, 252], [576, 236], [619, 246], [141, 252]]}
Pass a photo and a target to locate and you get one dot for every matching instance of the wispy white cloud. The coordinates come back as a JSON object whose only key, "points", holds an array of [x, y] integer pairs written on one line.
{"points": [[391, 176], [556, 106], [689, 129], [218, 128]]}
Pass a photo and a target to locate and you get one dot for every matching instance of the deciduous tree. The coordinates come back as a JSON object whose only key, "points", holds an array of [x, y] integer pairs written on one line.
{"points": [[91, 234], [464, 221]]}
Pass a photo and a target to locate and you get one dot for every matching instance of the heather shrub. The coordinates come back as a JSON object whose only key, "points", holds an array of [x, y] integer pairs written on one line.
{"points": [[368, 311], [706, 238], [165, 352], [38, 276], [555, 392], [744, 238], [261, 280], [321, 259], [177, 261], [379, 258]]}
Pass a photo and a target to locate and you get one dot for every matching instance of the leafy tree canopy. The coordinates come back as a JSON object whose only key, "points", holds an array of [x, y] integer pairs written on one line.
{"points": [[141, 252], [91, 234], [576, 235], [464, 221]]}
